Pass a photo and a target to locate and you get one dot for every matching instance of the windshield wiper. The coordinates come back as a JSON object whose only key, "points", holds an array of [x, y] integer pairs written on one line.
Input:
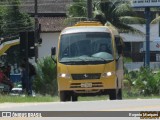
{"points": [[82, 60], [103, 59], [77, 60]]}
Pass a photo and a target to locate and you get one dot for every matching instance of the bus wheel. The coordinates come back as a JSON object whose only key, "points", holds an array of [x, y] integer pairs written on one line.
{"points": [[68, 97], [64, 96], [119, 95], [113, 94], [74, 98]]}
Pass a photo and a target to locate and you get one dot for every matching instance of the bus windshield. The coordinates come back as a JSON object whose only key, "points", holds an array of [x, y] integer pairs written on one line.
{"points": [[86, 47]]}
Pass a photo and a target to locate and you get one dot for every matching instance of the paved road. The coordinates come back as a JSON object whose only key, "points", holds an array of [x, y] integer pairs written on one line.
{"points": [[85, 108]]}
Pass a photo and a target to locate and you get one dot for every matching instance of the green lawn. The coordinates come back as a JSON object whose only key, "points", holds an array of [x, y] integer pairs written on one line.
{"points": [[21, 99]]}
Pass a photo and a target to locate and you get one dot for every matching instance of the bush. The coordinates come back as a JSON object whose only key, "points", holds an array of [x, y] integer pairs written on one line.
{"points": [[157, 82], [142, 82], [127, 60], [45, 81]]}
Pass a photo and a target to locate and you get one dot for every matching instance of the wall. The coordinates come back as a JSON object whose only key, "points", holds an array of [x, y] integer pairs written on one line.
{"points": [[49, 40], [129, 37]]}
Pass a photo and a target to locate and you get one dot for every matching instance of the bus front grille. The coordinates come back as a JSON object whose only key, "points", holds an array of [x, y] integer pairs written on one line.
{"points": [[86, 76], [79, 85], [86, 91]]}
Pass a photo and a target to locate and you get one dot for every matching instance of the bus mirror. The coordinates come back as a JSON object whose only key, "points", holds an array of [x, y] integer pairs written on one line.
{"points": [[53, 53]]}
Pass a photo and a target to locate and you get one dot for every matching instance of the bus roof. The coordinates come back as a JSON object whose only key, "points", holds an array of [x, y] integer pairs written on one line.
{"points": [[77, 29], [90, 26], [89, 23]]}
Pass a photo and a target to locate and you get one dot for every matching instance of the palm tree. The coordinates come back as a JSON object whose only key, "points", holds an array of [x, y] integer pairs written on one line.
{"points": [[116, 12], [157, 19]]}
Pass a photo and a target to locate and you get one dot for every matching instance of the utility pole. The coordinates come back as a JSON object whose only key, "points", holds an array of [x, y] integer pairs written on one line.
{"points": [[26, 60], [148, 18], [36, 29], [89, 9], [147, 4]]}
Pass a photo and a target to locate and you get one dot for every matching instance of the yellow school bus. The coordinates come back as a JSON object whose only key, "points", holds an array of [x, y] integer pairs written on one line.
{"points": [[89, 61]]}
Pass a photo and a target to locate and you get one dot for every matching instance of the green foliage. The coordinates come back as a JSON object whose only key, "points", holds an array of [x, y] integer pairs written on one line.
{"points": [[29, 99], [2, 13], [142, 82], [77, 9], [157, 82], [117, 12], [12, 21], [127, 59], [45, 81], [15, 21]]}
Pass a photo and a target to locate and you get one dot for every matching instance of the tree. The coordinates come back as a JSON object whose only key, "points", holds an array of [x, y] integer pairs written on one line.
{"points": [[15, 21], [116, 12], [2, 13], [78, 9], [12, 21]]}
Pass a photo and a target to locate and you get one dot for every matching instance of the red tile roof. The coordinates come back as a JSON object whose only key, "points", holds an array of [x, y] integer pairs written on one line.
{"points": [[52, 24], [54, 8]]}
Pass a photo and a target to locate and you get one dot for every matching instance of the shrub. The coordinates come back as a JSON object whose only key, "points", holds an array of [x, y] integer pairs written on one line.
{"points": [[157, 82], [143, 82], [45, 81]]}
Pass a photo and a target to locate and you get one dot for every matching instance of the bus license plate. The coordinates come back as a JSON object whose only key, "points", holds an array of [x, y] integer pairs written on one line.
{"points": [[86, 85]]}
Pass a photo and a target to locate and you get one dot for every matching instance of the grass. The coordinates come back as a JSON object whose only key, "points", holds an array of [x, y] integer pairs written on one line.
{"points": [[94, 98], [105, 97], [142, 97], [21, 99]]}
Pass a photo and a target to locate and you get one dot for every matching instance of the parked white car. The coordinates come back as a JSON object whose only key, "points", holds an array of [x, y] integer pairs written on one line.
{"points": [[16, 91], [19, 92]]}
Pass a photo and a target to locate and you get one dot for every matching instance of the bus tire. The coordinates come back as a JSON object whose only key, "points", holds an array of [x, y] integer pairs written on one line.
{"points": [[64, 96], [113, 94], [74, 98], [68, 97]]}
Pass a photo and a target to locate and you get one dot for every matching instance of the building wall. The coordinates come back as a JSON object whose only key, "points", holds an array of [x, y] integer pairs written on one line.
{"points": [[134, 43], [129, 37], [49, 40]]}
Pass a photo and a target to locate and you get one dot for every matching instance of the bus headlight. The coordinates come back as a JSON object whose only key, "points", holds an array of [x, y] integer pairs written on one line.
{"points": [[108, 74], [64, 75]]}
